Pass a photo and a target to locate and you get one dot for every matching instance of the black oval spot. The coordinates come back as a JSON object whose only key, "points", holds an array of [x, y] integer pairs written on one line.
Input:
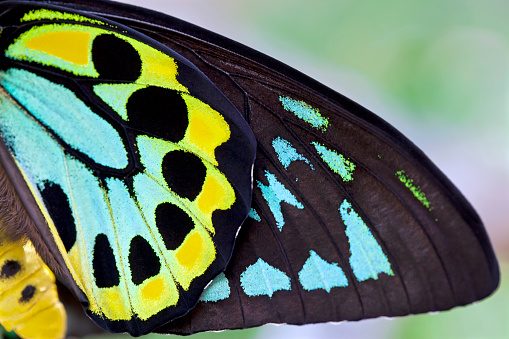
{"points": [[158, 111], [184, 173], [173, 224], [104, 264], [27, 294], [115, 59], [143, 261], [58, 207], [9, 269]]}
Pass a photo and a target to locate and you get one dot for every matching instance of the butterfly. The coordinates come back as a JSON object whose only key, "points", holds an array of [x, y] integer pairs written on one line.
{"points": [[176, 181]]}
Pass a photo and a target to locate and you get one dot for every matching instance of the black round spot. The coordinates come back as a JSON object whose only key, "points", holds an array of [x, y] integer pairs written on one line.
{"points": [[27, 294], [173, 224], [58, 207], [9, 269], [103, 263], [184, 173], [115, 59], [158, 111], [143, 260]]}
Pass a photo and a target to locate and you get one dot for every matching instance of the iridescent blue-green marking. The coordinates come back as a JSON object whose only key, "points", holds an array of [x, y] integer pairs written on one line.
{"points": [[43, 162], [416, 190], [263, 279], [60, 110], [367, 258], [305, 112], [219, 289], [336, 162], [287, 153], [254, 215], [319, 274], [274, 195]]}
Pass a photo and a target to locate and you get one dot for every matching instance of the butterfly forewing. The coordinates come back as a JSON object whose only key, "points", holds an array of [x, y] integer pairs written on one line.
{"points": [[142, 180], [349, 220]]}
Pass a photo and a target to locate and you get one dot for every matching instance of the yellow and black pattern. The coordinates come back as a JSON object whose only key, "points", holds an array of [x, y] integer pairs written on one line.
{"points": [[128, 168], [29, 302]]}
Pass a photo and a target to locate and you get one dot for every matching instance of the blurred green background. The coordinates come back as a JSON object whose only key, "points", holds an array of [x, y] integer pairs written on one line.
{"points": [[436, 70]]}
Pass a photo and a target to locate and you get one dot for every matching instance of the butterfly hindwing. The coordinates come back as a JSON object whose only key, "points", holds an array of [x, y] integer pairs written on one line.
{"points": [[140, 167], [349, 220]]}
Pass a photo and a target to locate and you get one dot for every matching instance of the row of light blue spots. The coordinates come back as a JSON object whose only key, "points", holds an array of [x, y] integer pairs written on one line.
{"points": [[367, 258], [287, 153], [367, 261], [276, 193], [263, 279], [59, 109], [337, 162], [305, 112]]}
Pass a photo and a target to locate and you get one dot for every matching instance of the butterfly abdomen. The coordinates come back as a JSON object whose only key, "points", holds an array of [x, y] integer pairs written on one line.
{"points": [[29, 302]]}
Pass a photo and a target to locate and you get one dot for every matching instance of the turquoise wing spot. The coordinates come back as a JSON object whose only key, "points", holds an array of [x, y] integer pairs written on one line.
{"points": [[367, 258], [263, 279], [219, 289], [319, 274], [416, 190], [274, 195], [336, 162], [71, 119], [287, 153], [305, 112], [254, 215]]}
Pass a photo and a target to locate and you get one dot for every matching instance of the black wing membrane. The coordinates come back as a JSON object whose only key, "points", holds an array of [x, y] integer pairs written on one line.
{"points": [[433, 241]]}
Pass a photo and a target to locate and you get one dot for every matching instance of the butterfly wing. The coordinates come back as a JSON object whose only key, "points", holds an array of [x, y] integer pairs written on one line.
{"points": [[349, 219], [138, 180]]}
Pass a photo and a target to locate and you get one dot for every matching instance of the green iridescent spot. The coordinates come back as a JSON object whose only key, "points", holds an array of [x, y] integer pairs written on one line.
{"points": [[305, 112], [416, 190], [46, 14], [336, 162]]}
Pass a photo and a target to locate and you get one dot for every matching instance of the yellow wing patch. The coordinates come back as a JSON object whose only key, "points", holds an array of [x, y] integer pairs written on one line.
{"points": [[29, 302], [70, 46]]}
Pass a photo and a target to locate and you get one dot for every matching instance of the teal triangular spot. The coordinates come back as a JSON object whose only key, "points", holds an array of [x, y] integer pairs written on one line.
{"points": [[367, 258], [318, 273], [219, 289], [116, 96], [254, 215], [263, 279], [287, 153], [274, 195]]}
